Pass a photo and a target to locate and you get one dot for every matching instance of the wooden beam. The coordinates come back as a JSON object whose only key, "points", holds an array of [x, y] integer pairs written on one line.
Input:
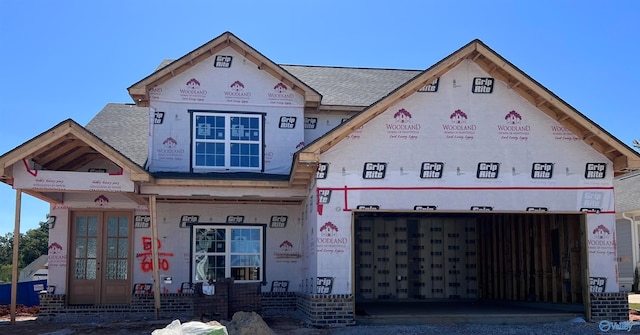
{"points": [[43, 197], [219, 183], [137, 199], [35, 145], [16, 250], [154, 254]]}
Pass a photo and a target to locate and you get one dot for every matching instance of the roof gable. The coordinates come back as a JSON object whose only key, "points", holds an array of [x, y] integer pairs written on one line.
{"points": [[139, 91], [623, 157], [67, 146]]}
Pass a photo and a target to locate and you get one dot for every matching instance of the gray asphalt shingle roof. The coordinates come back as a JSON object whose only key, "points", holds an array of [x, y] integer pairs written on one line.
{"points": [[350, 86], [124, 127], [627, 192]]}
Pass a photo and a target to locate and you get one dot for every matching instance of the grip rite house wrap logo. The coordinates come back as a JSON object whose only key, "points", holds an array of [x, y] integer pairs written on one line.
{"points": [[595, 170], [431, 170], [280, 95], [542, 171], [374, 170], [310, 122], [482, 85], [237, 93], [158, 117], [432, 87], [513, 129], [403, 128], [323, 170], [168, 151], [193, 92], [287, 122], [488, 170], [459, 128]]}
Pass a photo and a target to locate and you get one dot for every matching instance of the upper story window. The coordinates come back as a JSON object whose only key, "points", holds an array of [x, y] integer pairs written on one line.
{"points": [[227, 141]]}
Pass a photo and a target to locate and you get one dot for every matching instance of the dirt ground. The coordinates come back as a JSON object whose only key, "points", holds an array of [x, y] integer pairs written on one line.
{"points": [[27, 323]]}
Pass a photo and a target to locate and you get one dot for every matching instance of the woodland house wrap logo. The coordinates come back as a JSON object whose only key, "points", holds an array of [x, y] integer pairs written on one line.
{"points": [[280, 95], [237, 93], [193, 92], [601, 241], [169, 150], [329, 241], [101, 200], [403, 128], [458, 128], [513, 129], [155, 93], [57, 257], [286, 251]]}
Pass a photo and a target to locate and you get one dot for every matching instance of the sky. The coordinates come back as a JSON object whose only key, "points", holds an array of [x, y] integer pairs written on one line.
{"points": [[68, 59]]}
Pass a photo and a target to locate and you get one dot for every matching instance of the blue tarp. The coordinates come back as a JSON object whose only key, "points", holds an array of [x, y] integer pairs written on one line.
{"points": [[27, 293]]}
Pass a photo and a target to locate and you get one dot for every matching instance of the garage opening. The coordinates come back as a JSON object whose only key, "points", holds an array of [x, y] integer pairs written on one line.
{"points": [[519, 259]]}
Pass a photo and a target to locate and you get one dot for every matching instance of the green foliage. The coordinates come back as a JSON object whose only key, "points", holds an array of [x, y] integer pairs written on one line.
{"points": [[33, 244], [5, 273]]}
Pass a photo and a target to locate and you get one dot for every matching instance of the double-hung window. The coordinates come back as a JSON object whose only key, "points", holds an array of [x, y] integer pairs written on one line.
{"points": [[228, 251], [227, 141]]}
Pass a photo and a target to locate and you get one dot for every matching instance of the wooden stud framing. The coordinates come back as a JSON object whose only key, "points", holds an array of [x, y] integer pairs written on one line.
{"points": [[523, 257]]}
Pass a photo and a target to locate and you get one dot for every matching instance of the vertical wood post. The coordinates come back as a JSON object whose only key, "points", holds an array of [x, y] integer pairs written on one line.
{"points": [[14, 269], [154, 254]]}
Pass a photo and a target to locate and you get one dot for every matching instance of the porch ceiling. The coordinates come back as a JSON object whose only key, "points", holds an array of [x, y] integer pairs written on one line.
{"points": [[67, 153]]}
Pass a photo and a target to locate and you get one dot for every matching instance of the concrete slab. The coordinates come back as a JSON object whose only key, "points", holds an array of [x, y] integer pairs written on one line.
{"points": [[634, 298], [464, 312]]}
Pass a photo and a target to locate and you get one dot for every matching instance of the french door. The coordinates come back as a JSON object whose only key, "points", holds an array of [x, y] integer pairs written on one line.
{"points": [[100, 258]]}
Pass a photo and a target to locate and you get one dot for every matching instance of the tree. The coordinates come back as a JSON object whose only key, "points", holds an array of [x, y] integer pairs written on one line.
{"points": [[33, 244]]}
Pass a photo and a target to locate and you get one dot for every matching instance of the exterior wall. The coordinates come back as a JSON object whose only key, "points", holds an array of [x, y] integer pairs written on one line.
{"points": [[317, 125], [457, 150], [283, 248], [625, 251], [310, 245], [240, 88]]}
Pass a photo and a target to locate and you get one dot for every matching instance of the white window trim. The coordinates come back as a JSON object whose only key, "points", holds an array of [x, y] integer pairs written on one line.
{"points": [[227, 141], [227, 253]]}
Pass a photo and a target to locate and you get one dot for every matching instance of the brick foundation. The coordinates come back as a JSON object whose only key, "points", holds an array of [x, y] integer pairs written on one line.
{"points": [[326, 310], [279, 303], [229, 298], [609, 306], [53, 308]]}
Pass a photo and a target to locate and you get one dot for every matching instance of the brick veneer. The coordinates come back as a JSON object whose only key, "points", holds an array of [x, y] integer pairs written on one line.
{"points": [[609, 306], [229, 298], [173, 305], [326, 310]]}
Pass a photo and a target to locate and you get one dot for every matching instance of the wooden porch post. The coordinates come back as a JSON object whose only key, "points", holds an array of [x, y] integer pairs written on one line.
{"points": [[14, 269], [154, 254]]}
